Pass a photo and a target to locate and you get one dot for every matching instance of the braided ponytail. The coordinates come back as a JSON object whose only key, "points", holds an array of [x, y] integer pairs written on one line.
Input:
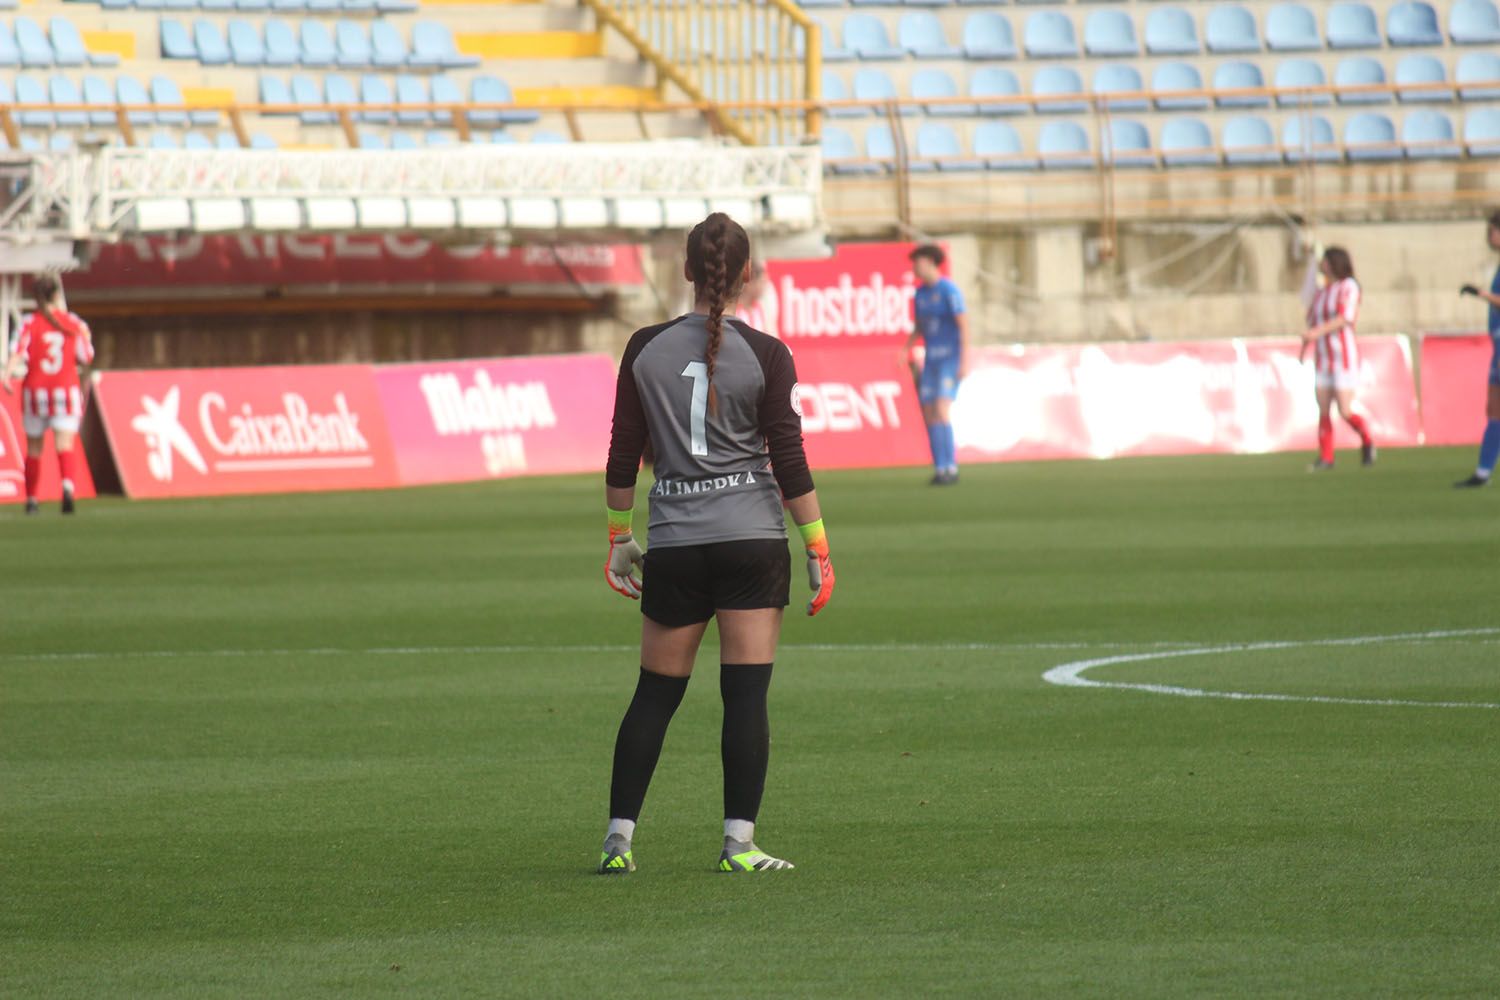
{"points": [[44, 290], [717, 252]]}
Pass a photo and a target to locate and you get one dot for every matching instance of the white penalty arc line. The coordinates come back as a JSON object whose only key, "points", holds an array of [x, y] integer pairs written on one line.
{"points": [[1072, 674]]}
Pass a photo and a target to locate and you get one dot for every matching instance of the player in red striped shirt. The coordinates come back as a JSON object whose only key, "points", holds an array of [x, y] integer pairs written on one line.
{"points": [[49, 348], [1332, 311]]}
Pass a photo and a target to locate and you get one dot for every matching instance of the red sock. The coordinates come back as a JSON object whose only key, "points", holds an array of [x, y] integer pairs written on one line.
{"points": [[1325, 439], [1360, 427], [66, 462], [33, 475]]}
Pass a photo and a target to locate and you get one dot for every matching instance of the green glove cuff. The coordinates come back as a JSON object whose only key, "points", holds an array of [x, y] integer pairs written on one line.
{"points": [[619, 520], [812, 532]]}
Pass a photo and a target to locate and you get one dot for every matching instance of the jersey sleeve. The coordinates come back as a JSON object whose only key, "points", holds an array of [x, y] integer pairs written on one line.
{"points": [[627, 439], [781, 423], [953, 299], [83, 346], [1349, 302]]}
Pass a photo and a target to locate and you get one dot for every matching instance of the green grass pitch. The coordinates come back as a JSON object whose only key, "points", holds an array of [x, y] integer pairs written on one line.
{"points": [[359, 745]]}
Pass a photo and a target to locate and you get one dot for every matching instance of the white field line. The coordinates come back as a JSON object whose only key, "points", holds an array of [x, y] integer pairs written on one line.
{"points": [[1072, 674]]}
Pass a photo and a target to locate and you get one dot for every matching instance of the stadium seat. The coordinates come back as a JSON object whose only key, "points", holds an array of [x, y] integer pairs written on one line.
{"points": [[30, 90], [1474, 22], [60, 142], [832, 50], [1360, 71], [1000, 147], [369, 140], [1186, 142], [1422, 69], [875, 85], [434, 138], [306, 90], [10, 54], [987, 35], [880, 144], [866, 38], [1127, 144], [432, 45], [129, 92], [338, 90], [1049, 35], [317, 44], [1315, 141], [1248, 139], [387, 47], [1412, 23], [197, 141], [1352, 26], [1478, 68], [834, 89], [273, 90], [992, 81], [67, 45], [1110, 33], [353, 45], [35, 49], [1171, 31], [61, 90], [1240, 75], [936, 83], [168, 99], [1120, 78], [1428, 135], [253, 5], [446, 91], [1370, 136], [375, 90], [259, 140], [212, 49], [1230, 28], [245, 46], [1064, 145], [821, 3], [163, 140], [404, 140], [176, 43], [921, 34], [412, 90], [1481, 131], [840, 154], [98, 93], [281, 44], [1173, 76], [493, 90], [938, 144], [1293, 74], [1291, 27], [227, 140], [1053, 81]]}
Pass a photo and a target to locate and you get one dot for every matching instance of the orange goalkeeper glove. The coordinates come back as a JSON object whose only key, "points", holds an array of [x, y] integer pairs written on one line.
{"points": [[625, 556], [819, 566]]}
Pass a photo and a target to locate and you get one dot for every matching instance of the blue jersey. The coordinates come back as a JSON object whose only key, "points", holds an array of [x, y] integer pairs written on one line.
{"points": [[937, 307], [1494, 311]]}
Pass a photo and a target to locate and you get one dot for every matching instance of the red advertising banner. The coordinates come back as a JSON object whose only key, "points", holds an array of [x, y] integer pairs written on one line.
{"points": [[13, 459], [292, 260], [206, 432], [465, 420], [859, 296], [1455, 380], [859, 408]]}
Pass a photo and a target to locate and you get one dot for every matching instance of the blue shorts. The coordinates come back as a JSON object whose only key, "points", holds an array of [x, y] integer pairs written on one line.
{"points": [[939, 380], [1495, 361]]}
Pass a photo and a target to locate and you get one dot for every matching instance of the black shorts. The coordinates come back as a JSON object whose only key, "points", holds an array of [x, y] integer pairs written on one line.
{"points": [[686, 584]]}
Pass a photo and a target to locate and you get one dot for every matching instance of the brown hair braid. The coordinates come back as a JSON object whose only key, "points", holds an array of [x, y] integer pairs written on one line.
{"points": [[717, 251], [44, 289]]}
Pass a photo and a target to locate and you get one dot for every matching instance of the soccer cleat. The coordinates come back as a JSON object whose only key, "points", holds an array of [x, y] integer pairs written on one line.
{"points": [[1475, 480], [1320, 466], [615, 859], [1367, 454], [67, 502], [738, 857], [937, 480], [32, 507]]}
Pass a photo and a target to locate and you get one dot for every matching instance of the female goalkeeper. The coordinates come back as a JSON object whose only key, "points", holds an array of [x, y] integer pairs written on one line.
{"points": [[716, 399]]}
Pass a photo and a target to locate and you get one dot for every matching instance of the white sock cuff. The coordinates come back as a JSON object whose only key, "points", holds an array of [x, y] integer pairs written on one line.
{"points": [[624, 827], [739, 830]]}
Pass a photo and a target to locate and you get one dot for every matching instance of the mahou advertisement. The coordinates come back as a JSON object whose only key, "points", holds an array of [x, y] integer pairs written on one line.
{"points": [[861, 296]]}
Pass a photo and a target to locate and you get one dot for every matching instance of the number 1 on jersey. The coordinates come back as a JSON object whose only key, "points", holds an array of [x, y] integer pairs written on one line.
{"points": [[698, 372]]}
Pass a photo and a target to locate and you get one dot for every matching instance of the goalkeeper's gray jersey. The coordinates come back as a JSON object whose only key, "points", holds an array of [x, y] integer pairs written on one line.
{"points": [[721, 474]]}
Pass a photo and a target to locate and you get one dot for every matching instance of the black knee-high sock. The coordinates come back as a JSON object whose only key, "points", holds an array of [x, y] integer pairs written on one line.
{"points": [[639, 744], [746, 744]]}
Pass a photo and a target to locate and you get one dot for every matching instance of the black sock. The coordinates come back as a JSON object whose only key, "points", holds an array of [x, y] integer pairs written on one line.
{"points": [[746, 744], [639, 743]]}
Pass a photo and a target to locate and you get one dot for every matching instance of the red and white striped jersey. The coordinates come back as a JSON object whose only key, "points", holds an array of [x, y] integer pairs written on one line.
{"points": [[1336, 351], [53, 352]]}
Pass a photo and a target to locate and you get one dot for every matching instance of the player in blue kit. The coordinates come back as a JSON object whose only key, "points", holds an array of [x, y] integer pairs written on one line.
{"points": [[1489, 447], [939, 322]]}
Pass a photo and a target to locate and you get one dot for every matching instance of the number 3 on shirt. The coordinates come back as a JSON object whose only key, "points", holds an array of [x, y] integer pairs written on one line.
{"points": [[53, 362], [698, 372]]}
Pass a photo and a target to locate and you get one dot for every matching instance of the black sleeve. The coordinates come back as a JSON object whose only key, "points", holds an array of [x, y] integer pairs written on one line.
{"points": [[627, 439], [781, 423]]}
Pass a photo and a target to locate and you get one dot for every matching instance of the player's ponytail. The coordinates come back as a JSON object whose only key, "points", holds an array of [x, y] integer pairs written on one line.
{"points": [[1340, 264], [717, 252], [44, 290]]}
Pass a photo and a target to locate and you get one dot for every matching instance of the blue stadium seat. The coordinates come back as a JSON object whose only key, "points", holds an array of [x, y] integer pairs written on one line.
{"points": [[1248, 139], [61, 90], [987, 35], [1171, 31], [1291, 27], [872, 84], [357, 6], [880, 144], [1230, 28], [281, 44], [227, 140], [98, 93], [832, 50], [821, 3], [839, 152], [1428, 135], [129, 92], [1478, 68], [163, 140], [273, 90], [1481, 131], [938, 144], [176, 43], [1422, 69], [432, 45], [166, 93], [1000, 147], [1049, 35], [375, 90], [1352, 26], [936, 83], [253, 5], [259, 140], [1064, 145], [1474, 22], [1292, 74], [865, 36], [1370, 137], [30, 90], [993, 81], [435, 138], [353, 45], [1052, 81], [1360, 71], [1127, 144], [10, 54], [60, 142], [1110, 33], [370, 140], [387, 47], [446, 91], [1412, 23], [245, 46], [920, 33], [317, 44], [212, 50], [834, 89], [1120, 78], [32, 42], [306, 90], [1174, 76], [196, 141], [1314, 142], [67, 45], [338, 90], [404, 140], [1240, 75], [412, 90], [493, 90]]}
